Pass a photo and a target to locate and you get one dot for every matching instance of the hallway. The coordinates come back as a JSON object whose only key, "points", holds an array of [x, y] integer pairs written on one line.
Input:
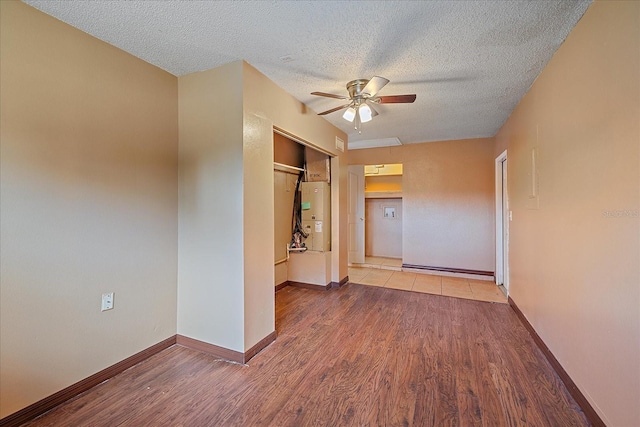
{"points": [[387, 273]]}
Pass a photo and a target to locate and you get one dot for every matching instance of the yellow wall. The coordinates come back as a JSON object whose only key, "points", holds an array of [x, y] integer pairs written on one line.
{"points": [[383, 183], [88, 204], [448, 201], [575, 249], [394, 169]]}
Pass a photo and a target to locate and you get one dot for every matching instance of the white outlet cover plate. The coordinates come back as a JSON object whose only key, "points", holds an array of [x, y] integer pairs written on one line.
{"points": [[107, 301]]}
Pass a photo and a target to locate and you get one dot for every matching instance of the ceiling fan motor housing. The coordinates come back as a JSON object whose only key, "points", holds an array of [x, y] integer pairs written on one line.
{"points": [[354, 87]]}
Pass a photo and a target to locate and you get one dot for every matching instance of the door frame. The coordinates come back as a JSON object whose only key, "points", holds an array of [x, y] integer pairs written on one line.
{"points": [[356, 219], [502, 221]]}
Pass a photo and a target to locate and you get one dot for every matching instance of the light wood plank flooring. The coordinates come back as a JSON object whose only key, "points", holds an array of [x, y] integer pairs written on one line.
{"points": [[355, 356]]}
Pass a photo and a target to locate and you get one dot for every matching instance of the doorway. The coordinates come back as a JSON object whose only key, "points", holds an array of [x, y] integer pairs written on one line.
{"points": [[503, 217], [375, 215]]}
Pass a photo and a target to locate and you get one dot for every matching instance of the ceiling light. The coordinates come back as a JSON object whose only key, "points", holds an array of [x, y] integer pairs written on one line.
{"points": [[365, 113], [350, 114]]}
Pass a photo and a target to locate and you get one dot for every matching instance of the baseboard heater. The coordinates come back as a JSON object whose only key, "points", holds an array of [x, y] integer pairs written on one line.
{"points": [[449, 269]]}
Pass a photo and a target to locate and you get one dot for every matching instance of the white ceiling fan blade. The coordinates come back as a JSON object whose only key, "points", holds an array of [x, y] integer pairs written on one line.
{"points": [[374, 85]]}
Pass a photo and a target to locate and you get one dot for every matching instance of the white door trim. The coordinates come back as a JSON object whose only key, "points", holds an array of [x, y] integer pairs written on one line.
{"points": [[501, 247], [356, 215]]}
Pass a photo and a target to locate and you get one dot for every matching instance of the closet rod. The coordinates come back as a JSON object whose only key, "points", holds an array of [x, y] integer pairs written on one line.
{"points": [[283, 166]]}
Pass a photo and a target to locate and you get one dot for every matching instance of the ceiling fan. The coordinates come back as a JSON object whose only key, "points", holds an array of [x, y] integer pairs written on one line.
{"points": [[362, 98]]}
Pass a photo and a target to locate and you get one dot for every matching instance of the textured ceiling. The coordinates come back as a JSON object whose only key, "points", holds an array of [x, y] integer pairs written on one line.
{"points": [[469, 62]]}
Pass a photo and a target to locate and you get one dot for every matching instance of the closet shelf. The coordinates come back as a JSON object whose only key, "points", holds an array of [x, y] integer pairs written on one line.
{"points": [[383, 194]]}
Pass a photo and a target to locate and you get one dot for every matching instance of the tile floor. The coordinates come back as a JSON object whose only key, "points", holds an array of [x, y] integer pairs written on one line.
{"points": [[376, 273], [381, 262]]}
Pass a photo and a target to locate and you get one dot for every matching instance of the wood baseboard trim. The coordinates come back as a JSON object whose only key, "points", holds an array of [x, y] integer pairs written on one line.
{"points": [[282, 285], [50, 402], [222, 352], [212, 349], [341, 283], [449, 269], [310, 285], [577, 395], [259, 346]]}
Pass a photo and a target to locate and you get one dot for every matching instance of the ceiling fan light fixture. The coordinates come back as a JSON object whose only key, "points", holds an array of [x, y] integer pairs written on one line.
{"points": [[350, 114], [365, 113], [362, 97]]}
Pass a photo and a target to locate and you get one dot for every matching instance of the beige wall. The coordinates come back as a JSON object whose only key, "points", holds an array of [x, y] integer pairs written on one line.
{"points": [[211, 206], [98, 196], [88, 204], [339, 205], [383, 236], [263, 98], [575, 250], [259, 271], [286, 152], [226, 221], [284, 192], [448, 201]]}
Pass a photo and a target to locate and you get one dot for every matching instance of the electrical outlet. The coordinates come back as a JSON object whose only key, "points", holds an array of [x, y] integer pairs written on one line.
{"points": [[107, 301]]}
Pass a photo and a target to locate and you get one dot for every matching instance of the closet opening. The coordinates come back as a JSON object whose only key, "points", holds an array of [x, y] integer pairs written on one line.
{"points": [[302, 214]]}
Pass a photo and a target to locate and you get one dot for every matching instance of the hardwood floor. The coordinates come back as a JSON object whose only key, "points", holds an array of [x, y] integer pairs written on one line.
{"points": [[359, 355]]}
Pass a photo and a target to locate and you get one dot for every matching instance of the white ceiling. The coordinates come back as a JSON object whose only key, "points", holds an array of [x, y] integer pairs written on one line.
{"points": [[469, 62]]}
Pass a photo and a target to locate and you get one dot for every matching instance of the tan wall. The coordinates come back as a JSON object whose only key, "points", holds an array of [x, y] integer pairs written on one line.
{"points": [[500, 146], [281, 273], [88, 143], [258, 187], [575, 258], [383, 236], [263, 98], [339, 205], [226, 270], [90, 204], [448, 201], [286, 152], [284, 192], [211, 207]]}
